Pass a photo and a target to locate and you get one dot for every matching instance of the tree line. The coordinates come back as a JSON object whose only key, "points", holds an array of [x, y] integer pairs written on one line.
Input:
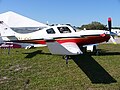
{"points": [[96, 26]]}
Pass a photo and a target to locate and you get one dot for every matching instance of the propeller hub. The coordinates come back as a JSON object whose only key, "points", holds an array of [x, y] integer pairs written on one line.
{"points": [[102, 35]]}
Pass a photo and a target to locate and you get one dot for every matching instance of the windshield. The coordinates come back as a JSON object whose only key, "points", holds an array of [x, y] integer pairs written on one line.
{"points": [[64, 30]]}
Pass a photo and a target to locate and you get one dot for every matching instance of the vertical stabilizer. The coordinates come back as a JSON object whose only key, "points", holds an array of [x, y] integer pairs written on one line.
{"points": [[6, 30]]}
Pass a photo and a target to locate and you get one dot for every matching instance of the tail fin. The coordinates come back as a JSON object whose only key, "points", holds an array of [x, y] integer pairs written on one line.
{"points": [[6, 30]]}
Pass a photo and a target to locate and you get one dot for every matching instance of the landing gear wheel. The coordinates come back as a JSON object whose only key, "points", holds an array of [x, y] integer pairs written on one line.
{"points": [[66, 57], [95, 51]]}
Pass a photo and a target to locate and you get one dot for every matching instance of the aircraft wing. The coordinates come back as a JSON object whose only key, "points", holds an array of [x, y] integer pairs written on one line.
{"points": [[68, 48]]}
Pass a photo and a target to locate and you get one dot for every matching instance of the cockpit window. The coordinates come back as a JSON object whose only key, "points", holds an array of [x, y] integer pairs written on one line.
{"points": [[64, 30], [50, 31]]}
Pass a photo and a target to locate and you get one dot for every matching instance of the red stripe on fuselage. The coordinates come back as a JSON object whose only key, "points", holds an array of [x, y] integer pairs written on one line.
{"points": [[80, 41], [86, 40]]}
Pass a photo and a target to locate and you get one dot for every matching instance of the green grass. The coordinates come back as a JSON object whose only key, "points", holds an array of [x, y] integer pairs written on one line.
{"points": [[37, 69]]}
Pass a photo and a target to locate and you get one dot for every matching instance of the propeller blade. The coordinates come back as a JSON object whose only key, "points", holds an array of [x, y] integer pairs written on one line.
{"points": [[109, 24], [111, 33], [113, 40]]}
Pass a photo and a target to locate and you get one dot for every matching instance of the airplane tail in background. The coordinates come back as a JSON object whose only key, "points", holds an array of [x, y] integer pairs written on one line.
{"points": [[6, 32]]}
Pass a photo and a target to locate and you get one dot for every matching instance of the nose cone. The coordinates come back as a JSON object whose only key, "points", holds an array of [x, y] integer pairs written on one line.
{"points": [[105, 35], [102, 35]]}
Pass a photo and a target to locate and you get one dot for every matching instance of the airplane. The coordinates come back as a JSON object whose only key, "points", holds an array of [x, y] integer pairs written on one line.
{"points": [[60, 39], [116, 31]]}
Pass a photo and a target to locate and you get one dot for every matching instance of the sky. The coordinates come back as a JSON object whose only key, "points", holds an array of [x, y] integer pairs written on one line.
{"points": [[74, 12]]}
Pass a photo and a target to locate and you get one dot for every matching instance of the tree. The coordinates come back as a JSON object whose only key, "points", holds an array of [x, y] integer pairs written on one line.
{"points": [[94, 26]]}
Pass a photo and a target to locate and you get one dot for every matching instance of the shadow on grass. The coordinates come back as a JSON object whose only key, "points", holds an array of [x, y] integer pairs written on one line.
{"points": [[103, 52], [95, 72], [32, 54]]}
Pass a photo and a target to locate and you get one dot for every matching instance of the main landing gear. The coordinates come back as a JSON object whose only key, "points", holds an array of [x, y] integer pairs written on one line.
{"points": [[66, 57]]}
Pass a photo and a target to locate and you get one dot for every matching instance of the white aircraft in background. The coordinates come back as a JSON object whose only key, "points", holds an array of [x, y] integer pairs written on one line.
{"points": [[116, 31], [60, 39]]}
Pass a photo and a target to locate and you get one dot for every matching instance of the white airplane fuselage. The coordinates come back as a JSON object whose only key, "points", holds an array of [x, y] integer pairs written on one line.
{"points": [[84, 37]]}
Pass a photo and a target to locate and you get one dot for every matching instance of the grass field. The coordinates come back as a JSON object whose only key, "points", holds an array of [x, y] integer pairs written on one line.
{"points": [[37, 69]]}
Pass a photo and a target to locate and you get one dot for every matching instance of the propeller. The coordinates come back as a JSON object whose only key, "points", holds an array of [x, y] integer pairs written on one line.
{"points": [[111, 33]]}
